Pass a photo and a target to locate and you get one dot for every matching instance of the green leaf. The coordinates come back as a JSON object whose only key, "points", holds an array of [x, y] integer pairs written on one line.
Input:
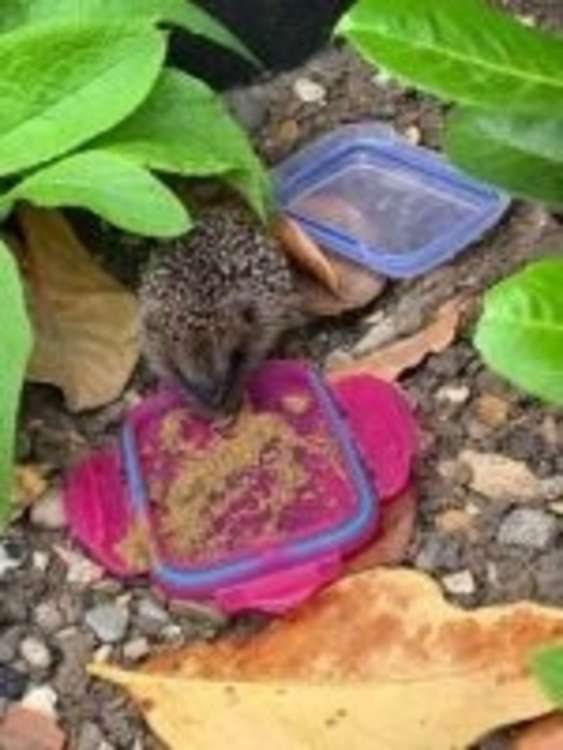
{"points": [[462, 50], [524, 155], [61, 84], [180, 13], [115, 188], [184, 128], [15, 347], [547, 667], [520, 333]]}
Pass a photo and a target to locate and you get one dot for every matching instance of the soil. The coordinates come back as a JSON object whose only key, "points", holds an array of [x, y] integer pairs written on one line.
{"points": [[37, 601]]}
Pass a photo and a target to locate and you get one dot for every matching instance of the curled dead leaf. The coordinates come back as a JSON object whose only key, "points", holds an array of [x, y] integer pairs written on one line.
{"points": [[85, 322], [305, 252], [390, 361], [378, 660]]}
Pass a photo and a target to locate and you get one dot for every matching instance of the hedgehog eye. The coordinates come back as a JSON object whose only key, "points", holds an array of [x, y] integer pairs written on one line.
{"points": [[248, 314]]}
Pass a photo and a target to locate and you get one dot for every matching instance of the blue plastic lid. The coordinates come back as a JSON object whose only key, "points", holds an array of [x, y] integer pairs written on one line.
{"points": [[397, 209]]}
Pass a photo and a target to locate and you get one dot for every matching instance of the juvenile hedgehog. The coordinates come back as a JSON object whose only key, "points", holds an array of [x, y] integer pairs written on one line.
{"points": [[213, 305]]}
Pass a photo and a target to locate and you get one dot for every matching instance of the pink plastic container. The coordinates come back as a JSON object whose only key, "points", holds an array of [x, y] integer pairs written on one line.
{"points": [[263, 531]]}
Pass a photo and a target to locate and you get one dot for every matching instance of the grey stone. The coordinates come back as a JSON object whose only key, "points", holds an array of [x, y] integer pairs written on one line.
{"points": [[48, 617], [440, 552], [249, 107], [35, 653], [549, 577], [151, 618], [108, 622], [90, 737], [10, 559], [528, 527], [136, 649]]}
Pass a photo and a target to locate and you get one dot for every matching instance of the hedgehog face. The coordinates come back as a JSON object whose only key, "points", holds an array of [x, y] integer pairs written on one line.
{"points": [[211, 360]]}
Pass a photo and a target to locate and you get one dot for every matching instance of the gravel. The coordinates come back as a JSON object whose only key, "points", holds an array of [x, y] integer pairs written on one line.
{"points": [[108, 622], [528, 527]]}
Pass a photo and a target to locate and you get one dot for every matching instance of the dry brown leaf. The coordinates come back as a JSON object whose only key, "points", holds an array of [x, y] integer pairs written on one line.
{"points": [[85, 322], [379, 660], [544, 734], [356, 288], [30, 484], [391, 361], [305, 252], [397, 524]]}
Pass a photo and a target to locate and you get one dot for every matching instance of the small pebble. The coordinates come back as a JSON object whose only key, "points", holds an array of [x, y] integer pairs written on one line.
{"points": [[48, 512], [461, 583], [172, 633], [35, 653], [90, 738], [42, 698], [136, 649], [557, 508], [40, 560], [108, 622], [309, 91], [80, 570], [413, 135], [9, 560], [48, 617], [199, 612], [453, 394], [151, 617], [12, 683], [552, 487], [528, 527], [492, 411], [103, 654]]}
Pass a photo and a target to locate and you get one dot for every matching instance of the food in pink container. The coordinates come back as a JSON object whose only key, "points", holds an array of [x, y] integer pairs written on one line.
{"points": [[257, 514]]}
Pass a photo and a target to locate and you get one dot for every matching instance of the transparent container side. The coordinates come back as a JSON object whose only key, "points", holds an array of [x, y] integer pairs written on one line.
{"points": [[394, 209]]}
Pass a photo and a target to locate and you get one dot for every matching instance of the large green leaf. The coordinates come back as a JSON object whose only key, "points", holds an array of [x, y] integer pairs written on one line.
{"points": [[63, 83], [462, 50], [181, 13], [522, 154], [547, 666], [183, 127], [15, 346], [520, 333], [111, 186]]}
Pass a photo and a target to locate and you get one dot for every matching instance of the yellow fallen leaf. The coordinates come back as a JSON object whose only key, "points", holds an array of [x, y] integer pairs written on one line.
{"points": [[391, 361], [85, 322], [379, 661]]}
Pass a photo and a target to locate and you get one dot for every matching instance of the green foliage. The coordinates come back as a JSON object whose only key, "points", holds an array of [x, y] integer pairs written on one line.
{"points": [[462, 50], [523, 154], [111, 186], [87, 113], [520, 333], [508, 131], [547, 666], [59, 81], [182, 13], [15, 345], [183, 128], [87, 74]]}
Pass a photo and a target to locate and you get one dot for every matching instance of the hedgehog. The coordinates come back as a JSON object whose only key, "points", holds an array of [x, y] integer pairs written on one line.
{"points": [[214, 304]]}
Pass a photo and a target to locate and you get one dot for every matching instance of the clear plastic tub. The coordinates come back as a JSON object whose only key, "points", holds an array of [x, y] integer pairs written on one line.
{"points": [[397, 209]]}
